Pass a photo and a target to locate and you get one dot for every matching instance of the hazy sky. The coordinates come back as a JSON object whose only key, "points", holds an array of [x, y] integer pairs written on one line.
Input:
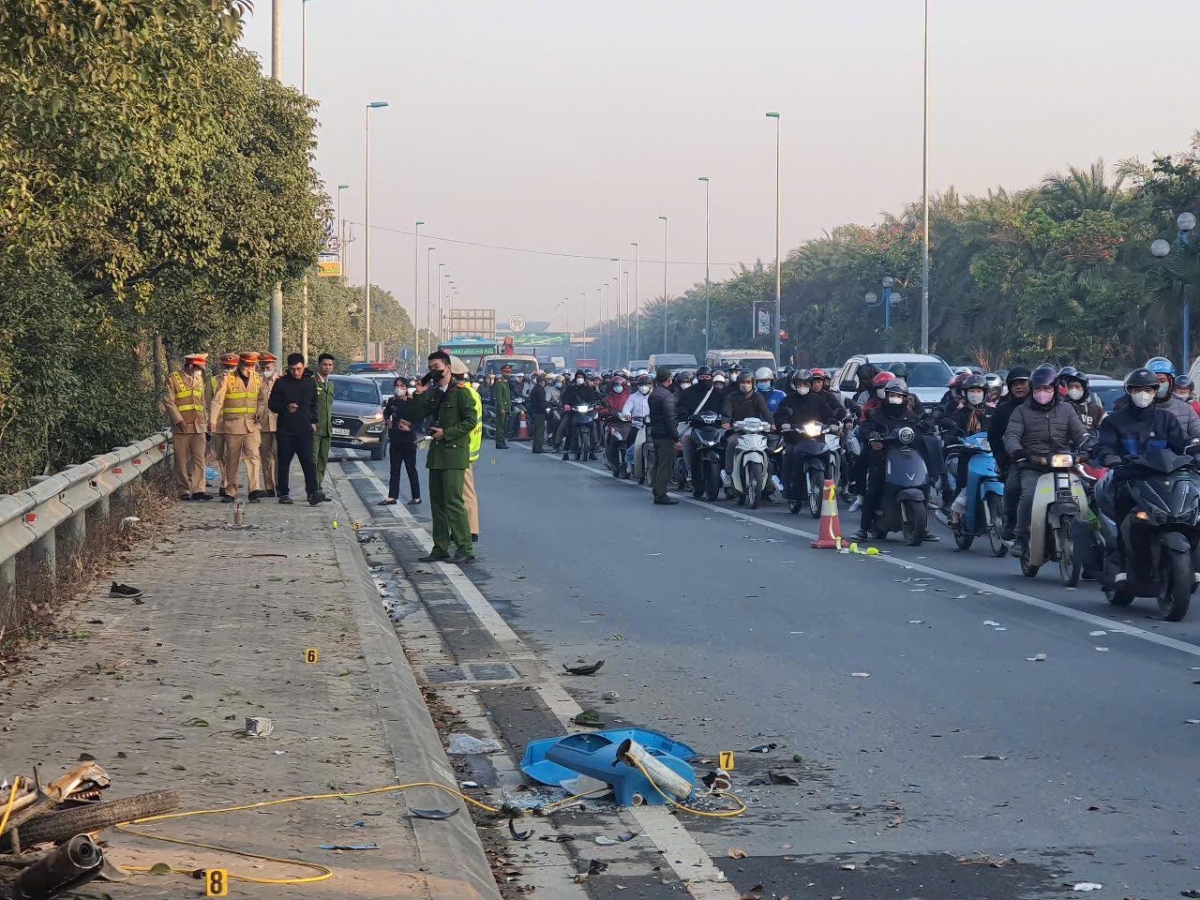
{"points": [[571, 126]]}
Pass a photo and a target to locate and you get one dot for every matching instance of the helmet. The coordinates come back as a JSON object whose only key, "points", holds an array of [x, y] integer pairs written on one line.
{"points": [[617, 379], [956, 382], [1160, 365], [683, 375], [1068, 372], [1185, 383], [883, 379], [764, 374], [704, 371], [993, 381], [801, 375], [896, 386], [818, 372], [745, 377], [644, 379], [719, 377], [1141, 378], [900, 370], [974, 382], [1017, 373], [1044, 375]]}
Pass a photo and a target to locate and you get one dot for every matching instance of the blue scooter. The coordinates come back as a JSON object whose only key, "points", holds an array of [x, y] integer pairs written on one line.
{"points": [[984, 496]]}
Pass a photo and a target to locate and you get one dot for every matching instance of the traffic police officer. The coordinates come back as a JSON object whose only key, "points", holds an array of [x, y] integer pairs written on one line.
{"points": [[185, 402], [240, 405], [502, 398]]}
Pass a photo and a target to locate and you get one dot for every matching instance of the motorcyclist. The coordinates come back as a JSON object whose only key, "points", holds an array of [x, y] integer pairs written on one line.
{"points": [[614, 402], [1079, 398], [1185, 390], [819, 381], [743, 403], [578, 391], [720, 383], [1164, 369], [894, 412], [1139, 426], [764, 383], [881, 381], [995, 388], [1038, 428], [866, 384], [1017, 382], [683, 381], [952, 399], [970, 418], [802, 405], [638, 408], [705, 394]]}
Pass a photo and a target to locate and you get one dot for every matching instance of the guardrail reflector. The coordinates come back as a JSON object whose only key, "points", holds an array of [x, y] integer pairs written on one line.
{"points": [[30, 518], [118, 470]]}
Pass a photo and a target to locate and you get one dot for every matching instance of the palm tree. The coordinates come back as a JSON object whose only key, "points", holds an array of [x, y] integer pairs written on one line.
{"points": [[1068, 196]]}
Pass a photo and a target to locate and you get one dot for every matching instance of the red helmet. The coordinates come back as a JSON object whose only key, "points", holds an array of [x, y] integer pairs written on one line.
{"points": [[818, 373], [883, 378], [617, 379]]}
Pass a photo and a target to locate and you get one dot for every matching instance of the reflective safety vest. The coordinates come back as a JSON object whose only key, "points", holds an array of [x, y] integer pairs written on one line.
{"points": [[241, 401], [187, 398], [477, 431]]}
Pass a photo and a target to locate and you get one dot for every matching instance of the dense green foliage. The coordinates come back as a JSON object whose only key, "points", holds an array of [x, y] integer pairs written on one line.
{"points": [[1061, 271]]}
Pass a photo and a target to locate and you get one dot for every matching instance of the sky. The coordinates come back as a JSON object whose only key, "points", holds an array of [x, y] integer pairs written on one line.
{"points": [[570, 126]]}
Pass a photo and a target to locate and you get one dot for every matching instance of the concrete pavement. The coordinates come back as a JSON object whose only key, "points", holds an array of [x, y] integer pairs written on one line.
{"points": [[927, 735]]}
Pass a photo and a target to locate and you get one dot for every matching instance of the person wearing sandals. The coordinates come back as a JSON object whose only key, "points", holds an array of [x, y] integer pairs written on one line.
{"points": [[401, 417]]}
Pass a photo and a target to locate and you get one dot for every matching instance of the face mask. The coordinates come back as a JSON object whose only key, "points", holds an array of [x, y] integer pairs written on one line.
{"points": [[879, 393], [1043, 396], [400, 392], [1163, 389], [974, 397], [269, 372], [802, 389], [1141, 399], [764, 387], [579, 381], [745, 388], [705, 381], [618, 389], [895, 399], [1075, 393], [645, 388], [1184, 396], [719, 382], [684, 385]]}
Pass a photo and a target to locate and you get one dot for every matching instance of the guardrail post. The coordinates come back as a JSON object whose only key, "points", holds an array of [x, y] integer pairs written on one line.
{"points": [[44, 551], [8, 581], [97, 514]]}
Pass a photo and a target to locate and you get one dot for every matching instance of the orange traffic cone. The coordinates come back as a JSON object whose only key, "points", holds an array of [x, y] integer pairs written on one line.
{"points": [[522, 428], [830, 536]]}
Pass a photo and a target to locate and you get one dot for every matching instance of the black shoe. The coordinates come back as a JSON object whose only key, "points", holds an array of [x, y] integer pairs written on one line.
{"points": [[314, 499], [930, 537], [223, 493], [432, 558], [665, 501], [187, 498], [469, 558], [474, 539], [566, 457], [415, 501], [227, 498], [286, 500], [269, 493], [1019, 547], [123, 590], [202, 496], [325, 498], [257, 495]]}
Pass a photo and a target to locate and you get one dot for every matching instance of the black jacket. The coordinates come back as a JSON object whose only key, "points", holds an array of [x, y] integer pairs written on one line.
{"points": [[996, 428], [883, 419], [1042, 430], [302, 392], [738, 406], [822, 406], [969, 420], [664, 424], [688, 402], [574, 394], [537, 401], [395, 410], [1132, 432]]}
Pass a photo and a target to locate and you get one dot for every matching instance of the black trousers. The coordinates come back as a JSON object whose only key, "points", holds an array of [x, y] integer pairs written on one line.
{"points": [[403, 454], [539, 432], [664, 464], [300, 445]]}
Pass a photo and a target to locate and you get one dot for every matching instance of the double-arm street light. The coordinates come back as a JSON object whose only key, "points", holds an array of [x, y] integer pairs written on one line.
{"points": [[1161, 249]]}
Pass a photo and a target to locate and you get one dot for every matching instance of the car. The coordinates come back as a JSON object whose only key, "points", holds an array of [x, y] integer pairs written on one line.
{"points": [[357, 420], [637, 365], [1106, 390], [383, 381], [743, 359], [674, 361], [521, 365], [928, 376]]}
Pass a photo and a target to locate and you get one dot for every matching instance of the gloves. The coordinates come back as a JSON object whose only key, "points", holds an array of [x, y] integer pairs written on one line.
{"points": [[1019, 455], [1111, 461]]}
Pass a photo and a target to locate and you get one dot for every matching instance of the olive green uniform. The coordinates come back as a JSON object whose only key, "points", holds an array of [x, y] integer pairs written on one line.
{"points": [[324, 434], [453, 410], [502, 397]]}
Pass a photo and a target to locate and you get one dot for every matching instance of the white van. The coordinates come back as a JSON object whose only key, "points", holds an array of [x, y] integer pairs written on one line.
{"points": [[672, 361], [743, 359]]}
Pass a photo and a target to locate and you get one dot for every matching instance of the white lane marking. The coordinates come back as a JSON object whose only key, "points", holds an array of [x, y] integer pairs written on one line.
{"points": [[694, 867], [1027, 599]]}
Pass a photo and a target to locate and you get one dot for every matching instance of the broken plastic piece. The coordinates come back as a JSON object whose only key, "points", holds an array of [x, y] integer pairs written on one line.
{"points": [[435, 814], [586, 669], [522, 836], [763, 748]]}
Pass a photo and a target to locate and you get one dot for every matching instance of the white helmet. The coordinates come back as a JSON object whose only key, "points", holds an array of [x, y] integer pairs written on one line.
{"points": [[764, 374]]}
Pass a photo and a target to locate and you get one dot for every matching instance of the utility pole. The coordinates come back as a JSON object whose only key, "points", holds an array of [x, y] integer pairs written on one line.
{"points": [[663, 219], [637, 300], [416, 287], [925, 201], [275, 306]]}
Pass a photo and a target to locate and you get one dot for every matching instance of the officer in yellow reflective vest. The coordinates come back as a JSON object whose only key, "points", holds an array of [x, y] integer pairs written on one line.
{"points": [[185, 401], [240, 406], [229, 362], [460, 373]]}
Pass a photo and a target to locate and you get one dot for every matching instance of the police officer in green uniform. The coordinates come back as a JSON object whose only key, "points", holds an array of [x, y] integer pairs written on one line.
{"points": [[324, 433], [502, 397], [454, 417]]}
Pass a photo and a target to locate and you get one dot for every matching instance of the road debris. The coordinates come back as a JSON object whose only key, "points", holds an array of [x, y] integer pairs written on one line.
{"points": [[370, 846], [257, 727], [518, 835], [465, 745], [763, 748], [585, 669], [737, 853], [1085, 886], [434, 814], [779, 776], [860, 674], [983, 859], [1041, 657]]}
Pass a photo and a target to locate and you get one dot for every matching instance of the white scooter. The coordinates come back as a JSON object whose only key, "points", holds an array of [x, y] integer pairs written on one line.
{"points": [[1059, 501], [749, 475]]}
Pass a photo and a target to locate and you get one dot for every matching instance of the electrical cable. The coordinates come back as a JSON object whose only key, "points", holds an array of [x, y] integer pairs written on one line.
{"points": [[12, 801]]}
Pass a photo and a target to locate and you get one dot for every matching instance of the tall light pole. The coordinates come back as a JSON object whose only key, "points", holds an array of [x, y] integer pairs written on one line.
{"points": [[416, 286], [637, 300], [925, 201], [778, 270], [663, 219], [374, 104], [1186, 223], [341, 231], [583, 316], [275, 306], [617, 289], [707, 279], [303, 48], [428, 300], [626, 288], [441, 322], [450, 288]]}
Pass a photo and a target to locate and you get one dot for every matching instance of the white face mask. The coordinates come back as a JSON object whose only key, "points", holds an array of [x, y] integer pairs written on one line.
{"points": [[269, 372], [618, 389], [879, 392], [1075, 393], [974, 397], [684, 385], [895, 399], [802, 389], [644, 388], [745, 388], [1141, 399], [579, 381], [400, 392]]}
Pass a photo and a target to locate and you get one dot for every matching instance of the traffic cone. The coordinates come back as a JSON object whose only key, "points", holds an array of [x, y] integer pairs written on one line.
{"points": [[522, 427], [830, 535]]}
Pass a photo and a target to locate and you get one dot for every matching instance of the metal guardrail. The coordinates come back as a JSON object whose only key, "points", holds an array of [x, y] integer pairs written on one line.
{"points": [[63, 505]]}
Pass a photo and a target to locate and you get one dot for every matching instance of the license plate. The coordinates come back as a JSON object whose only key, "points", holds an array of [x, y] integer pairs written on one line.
{"points": [[341, 432], [1064, 495]]}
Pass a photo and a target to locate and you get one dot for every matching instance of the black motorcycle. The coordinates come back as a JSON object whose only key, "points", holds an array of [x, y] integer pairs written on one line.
{"points": [[618, 429], [812, 461], [1159, 536], [905, 487], [582, 434], [708, 449]]}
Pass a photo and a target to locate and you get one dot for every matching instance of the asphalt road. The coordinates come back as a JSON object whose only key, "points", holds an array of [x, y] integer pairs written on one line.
{"points": [[906, 683]]}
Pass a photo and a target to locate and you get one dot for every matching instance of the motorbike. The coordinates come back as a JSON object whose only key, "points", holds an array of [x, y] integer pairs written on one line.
{"points": [[1059, 506], [618, 429], [983, 495], [776, 465], [553, 419], [905, 485], [582, 433], [516, 416], [1159, 536], [749, 475], [706, 439], [814, 460]]}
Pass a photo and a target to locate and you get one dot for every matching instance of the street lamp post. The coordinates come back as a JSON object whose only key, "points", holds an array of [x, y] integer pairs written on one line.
{"points": [[304, 47], [429, 252], [416, 287], [626, 289], [341, 230], [925, 200], [275, 305], [617, 292], [374, 104], [583, 308], [707, 278], [778, 271], [1186, 223], [663, 219], [441, 322], [637, 300]]}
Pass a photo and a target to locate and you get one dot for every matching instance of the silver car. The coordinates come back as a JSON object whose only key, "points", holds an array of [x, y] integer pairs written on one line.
{"points": [[358, 415]]}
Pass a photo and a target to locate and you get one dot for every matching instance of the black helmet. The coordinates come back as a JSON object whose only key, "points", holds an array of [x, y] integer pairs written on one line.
{"points": [[801, 375], [644, 379], [900, 370], [897, 386], [1044, 375], [1141, 378], [745, 377], [1182, 381], [974, 383], [683, 375], [1016, 373], [1069, 372], [703, 372]]}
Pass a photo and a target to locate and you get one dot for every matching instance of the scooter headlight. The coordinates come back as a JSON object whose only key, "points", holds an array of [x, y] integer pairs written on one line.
{"points": [[1062, 461], [812, 429], [906, 435]]}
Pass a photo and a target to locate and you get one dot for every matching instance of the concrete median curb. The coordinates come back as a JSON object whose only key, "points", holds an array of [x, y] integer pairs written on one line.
{"points": [[451, 854]]}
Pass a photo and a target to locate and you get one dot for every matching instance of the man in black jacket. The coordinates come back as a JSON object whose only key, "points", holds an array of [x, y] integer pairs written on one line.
{"points": [[744, 402], [1018, 389], [664, 428], [294, 400], [578, 391], [537, 412]]}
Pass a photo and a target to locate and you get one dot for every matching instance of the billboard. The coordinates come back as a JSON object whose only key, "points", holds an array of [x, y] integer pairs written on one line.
{"points": [[763, 325], [329, 265], [471, 323]]}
